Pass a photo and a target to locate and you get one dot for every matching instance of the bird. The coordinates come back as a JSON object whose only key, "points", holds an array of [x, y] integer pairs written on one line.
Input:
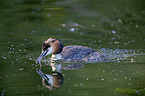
{"points": [[70, 52]]}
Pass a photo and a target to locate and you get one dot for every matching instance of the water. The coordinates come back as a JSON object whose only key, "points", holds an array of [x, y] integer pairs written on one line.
{"points": [[113, 28]]}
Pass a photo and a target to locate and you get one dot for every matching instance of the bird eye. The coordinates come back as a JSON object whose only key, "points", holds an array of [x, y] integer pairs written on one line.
{"points": [[45, 46]]}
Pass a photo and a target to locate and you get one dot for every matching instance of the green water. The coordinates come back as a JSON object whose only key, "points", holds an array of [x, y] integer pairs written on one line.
{"points": [[109, 24]]}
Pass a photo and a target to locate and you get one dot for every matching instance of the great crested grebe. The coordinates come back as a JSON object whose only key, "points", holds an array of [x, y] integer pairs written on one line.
{"points": [[72, 52]]}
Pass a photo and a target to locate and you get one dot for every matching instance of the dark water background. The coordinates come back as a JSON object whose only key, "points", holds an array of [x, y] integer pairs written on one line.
{"points": [[114, 27]]}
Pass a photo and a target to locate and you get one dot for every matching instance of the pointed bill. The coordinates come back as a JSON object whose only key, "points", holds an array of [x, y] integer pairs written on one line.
{"points": [[42, 55]]}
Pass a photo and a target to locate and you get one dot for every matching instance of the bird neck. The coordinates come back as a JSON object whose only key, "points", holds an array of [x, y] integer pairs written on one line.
{"points": [[56, 57]]}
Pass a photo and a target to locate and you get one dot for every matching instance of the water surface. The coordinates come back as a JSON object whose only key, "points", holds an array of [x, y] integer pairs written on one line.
{"points": [[113, 28]]}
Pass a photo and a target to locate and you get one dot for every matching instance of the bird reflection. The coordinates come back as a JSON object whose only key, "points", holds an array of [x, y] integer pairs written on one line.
{"points": [[54, 79]]}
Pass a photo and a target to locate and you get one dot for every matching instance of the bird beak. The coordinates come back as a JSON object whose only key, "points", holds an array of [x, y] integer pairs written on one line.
{"points": [[42, 55]]}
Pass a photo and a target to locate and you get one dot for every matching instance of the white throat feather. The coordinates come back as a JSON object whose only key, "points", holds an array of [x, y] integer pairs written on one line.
{"points": [[56, 57]]}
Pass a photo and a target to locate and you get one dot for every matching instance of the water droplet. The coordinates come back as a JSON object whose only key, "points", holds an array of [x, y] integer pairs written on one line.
{"points": [[72, 29], [3, 57], [63, 25], [14, 75], [119, 20], [125, 78], [116, 42], [121, 84], [113, 32], [81, 84], [136, 26], [48, 15], [113, 38], [131, 59], [30, 58], [32, 12], [93, 25], [33, 31]]}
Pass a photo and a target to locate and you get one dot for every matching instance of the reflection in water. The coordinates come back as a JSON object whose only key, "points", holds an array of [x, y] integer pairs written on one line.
{"points": [[55, 78]]}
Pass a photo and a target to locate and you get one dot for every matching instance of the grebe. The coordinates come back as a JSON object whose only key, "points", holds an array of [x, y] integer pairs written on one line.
{"points": [[71, 53]]}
